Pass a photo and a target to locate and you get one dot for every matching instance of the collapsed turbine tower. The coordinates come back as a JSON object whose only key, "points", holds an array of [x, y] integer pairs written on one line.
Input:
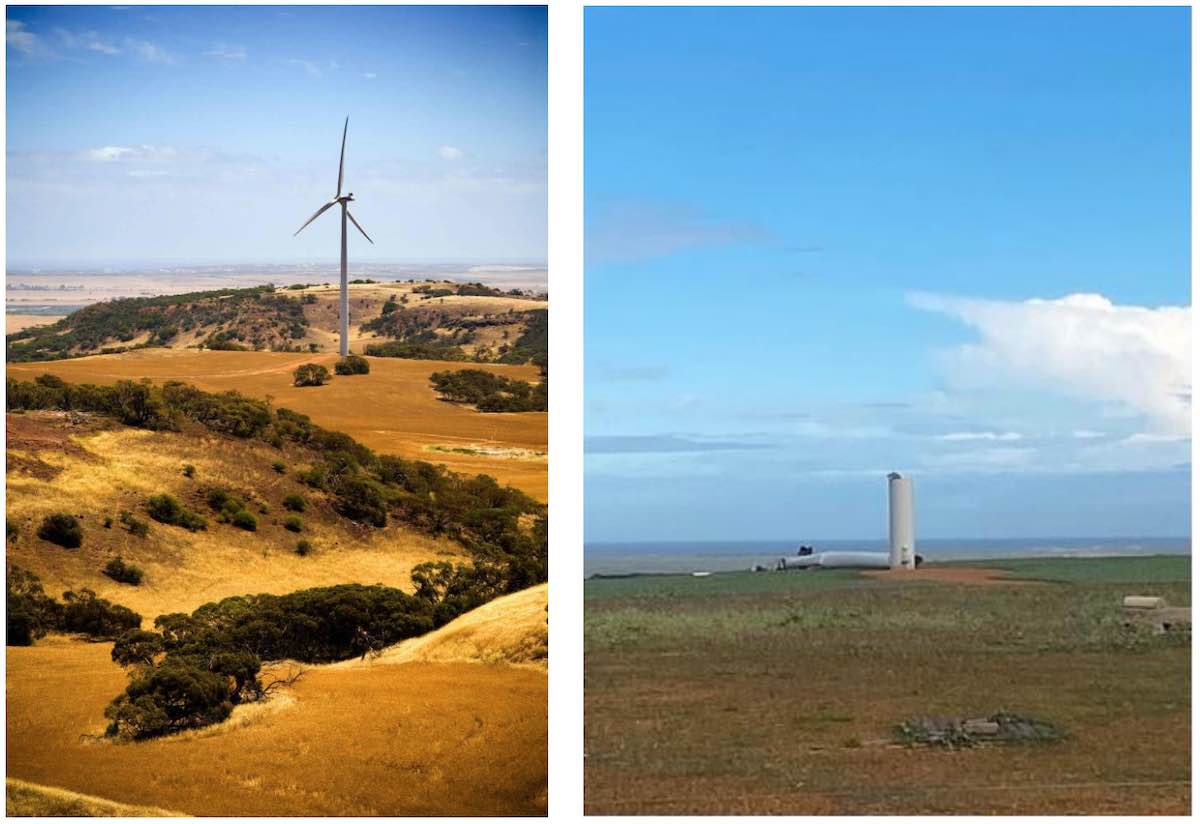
{"points": [[902, 542], [342, 200]]}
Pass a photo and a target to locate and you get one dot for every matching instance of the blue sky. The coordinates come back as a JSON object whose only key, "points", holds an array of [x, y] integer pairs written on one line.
{"points": [[207, 134], [823, 244]]}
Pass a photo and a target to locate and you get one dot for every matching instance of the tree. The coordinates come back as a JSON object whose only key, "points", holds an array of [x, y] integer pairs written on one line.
{"points": [[310, 374], [137, 647]]}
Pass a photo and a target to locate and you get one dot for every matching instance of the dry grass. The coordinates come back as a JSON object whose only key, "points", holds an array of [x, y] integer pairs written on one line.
{"points": [[118, 469], [409, 739], [18, 323], [508, 630], [392, 410], [24, 799], [780, 693]]}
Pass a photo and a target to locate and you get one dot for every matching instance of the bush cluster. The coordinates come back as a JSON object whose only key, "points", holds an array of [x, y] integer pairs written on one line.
{"points": [[122, 572], [489, 392], [62, 529], [352, 365], [310, 374], [134, 524], [166, 510]]}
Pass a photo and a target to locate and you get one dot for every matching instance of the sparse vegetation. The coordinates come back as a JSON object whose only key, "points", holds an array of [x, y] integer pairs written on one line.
{"points": [[292, 523], [352, 365], [294, 502], [122, 572], [62, 529], [279, 467], [189, 471], [303, 548], [310, 374], [477, 512], [415, 351]]}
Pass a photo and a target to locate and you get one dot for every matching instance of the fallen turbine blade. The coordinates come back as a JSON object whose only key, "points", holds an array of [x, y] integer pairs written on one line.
{"points": [[356, 226], [342, 161], [315, 216]]}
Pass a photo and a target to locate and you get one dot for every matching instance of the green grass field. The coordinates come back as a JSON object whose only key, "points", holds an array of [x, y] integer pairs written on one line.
{"points": [[780, 692]]}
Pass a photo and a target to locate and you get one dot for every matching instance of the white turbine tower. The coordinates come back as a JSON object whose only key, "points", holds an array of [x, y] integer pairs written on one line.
{"points": [[342, 200]]}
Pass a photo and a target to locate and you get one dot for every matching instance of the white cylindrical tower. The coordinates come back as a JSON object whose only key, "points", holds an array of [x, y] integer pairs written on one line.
{"points": [[902, 544]]}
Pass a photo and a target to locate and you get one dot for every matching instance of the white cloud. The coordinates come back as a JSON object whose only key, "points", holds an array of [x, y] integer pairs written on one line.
{"points": [[87, 40], [310, 68], [1134, 360], [143, 152], [980, 436], [1086, 434], [450, 152], [149, 52], [370, 75], [224, 52], [18, 37]]}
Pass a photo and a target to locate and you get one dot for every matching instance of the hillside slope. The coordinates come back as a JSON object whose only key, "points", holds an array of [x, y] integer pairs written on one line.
{"points": [[509, 630], [473, 320], [393, 410]]}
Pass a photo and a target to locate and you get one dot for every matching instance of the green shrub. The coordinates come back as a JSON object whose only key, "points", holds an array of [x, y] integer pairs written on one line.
{"points": [[303, 548], [122, 572], [352, 365], [135, 525], [292, 523], [279, 466], [224, 502], [189, 471], [166, 510], [11, 530], [244, 520], [294, 502], [310, 374], [62, 529], [108, 522]]}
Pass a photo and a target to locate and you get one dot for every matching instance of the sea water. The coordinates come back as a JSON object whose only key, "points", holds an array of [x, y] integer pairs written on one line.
{"points": [[723, 556]]}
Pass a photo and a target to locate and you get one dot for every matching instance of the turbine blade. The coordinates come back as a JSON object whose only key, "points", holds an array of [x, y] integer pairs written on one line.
{"points": [[342, 160], [356, 226], [315, 216]]}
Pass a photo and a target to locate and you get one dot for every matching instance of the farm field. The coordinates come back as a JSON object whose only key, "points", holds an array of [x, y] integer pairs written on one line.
{"points": [[393, 410], [781, 693]]}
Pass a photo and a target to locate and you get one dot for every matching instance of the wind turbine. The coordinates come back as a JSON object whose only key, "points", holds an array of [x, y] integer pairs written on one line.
{"points": [[342, 200]]}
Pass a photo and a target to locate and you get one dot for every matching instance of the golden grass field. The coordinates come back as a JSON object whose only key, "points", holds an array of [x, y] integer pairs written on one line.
{"points": [[24, 799], [404, 739], [456, 727], [392, 410]]}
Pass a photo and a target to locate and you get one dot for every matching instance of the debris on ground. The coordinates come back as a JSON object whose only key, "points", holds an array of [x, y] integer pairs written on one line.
{"points": [[1153, 612], [954, 733]]}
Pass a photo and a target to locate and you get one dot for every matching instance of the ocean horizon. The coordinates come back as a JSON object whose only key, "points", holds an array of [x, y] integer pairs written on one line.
{"points": [[664, 557]]}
